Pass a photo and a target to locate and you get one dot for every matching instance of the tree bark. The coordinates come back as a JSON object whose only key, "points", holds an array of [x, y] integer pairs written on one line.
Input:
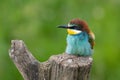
{"points": [[58, 67]]}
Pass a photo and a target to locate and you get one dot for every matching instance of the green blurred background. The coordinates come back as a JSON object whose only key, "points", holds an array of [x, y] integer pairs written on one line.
{"points": [[35, 22]]}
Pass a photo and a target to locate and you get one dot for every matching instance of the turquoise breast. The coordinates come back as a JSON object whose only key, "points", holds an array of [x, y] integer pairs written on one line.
{"points": [[78, 45]]}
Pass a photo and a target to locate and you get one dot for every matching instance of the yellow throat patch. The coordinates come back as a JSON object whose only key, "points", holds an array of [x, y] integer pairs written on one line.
{"points": [[73, 32]]}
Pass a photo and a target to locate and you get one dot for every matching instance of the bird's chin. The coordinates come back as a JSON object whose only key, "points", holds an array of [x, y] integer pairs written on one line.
{"points": [[73, 32]]}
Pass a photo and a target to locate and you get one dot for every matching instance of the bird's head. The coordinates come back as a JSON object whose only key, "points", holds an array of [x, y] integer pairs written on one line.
{"points": [[76, 26]]}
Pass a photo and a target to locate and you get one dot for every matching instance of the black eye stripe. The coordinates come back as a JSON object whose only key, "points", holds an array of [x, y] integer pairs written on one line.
{"points": [[72, 27], [75, 27]]}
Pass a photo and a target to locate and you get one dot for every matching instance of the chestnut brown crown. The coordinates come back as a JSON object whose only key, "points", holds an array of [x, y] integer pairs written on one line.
{"points": [[80, 25]]}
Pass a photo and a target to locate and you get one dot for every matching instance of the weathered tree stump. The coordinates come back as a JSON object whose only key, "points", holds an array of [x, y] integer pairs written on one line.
{"points": [[58, 67]]}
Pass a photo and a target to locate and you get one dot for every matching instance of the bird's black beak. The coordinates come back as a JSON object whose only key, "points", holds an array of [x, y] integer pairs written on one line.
{"points": [[64, 26]]}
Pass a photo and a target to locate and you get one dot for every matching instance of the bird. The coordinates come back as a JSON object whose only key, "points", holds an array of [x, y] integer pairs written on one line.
{"points": [[80, 39]]}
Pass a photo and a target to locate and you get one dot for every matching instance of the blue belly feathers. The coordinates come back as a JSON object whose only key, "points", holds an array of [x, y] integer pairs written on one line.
{"points": [[79, 45]]}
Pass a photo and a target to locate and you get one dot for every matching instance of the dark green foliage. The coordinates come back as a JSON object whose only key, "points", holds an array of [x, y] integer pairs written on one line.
{"points": [[35, 22]]}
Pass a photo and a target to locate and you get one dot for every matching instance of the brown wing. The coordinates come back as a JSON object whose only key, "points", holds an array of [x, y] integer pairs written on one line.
{"points": [[91, 39]]}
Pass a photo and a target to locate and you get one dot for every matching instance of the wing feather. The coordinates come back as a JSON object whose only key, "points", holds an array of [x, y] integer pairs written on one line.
{"points": [[91, 39]]}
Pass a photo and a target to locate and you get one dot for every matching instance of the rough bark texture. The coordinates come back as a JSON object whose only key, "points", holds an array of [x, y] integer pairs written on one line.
{"points": [[58, 67]]}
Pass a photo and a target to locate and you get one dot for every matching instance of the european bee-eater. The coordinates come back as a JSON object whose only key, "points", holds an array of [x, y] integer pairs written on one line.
{"points": [[80, 39]]}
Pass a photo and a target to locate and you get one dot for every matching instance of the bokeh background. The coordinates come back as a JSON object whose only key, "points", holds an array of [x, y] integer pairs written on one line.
{"points": [[35, 22]]}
